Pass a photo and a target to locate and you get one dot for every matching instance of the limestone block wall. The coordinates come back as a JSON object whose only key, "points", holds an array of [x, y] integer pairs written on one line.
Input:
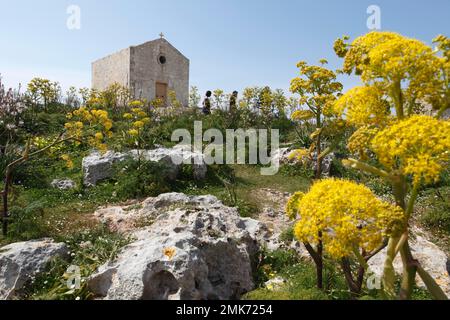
{"points": [[111, 69], [146, 70]]}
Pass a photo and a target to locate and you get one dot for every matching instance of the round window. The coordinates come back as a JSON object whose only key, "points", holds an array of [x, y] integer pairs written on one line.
{"points": [[162, 59]]}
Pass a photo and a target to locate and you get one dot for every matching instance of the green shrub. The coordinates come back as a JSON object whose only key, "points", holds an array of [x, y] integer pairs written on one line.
{"points": [[287, 236], [438, 217], [272, 263], [297, 170], [266, 294], [436, 208], [138, 179], [300, 277], [27, 222]]}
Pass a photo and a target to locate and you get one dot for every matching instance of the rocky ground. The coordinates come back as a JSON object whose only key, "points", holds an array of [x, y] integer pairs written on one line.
{"points": [[186, 247]]}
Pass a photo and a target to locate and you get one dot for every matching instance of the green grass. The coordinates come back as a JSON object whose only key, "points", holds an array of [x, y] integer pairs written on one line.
{"points": [[436, 209], [300, 276], [300, 280], [247, 181]]}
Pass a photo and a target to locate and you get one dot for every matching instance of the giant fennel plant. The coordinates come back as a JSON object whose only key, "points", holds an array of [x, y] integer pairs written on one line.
{"points": [[402, 78]]}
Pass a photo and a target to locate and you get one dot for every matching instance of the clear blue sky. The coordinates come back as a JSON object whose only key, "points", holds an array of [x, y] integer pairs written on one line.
{"points": [[231, 43]]}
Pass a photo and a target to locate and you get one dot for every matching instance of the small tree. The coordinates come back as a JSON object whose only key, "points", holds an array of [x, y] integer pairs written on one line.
{"points": [[194, 98], [280, 102], [317, 87], [43, 91], [114, 97], [266, 100], [84, 93], [219, 97], [12, 109], [72, 99]]}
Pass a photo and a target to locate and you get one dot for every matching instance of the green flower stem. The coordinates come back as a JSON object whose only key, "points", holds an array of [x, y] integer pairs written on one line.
{"points": [[389, 271], [360, 258], [325, 152], [401, 243], [412, 201], [353, 163], [409, 272]]}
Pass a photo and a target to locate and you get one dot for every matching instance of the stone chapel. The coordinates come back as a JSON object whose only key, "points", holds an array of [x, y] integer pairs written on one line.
{"points": [[149, 70]]}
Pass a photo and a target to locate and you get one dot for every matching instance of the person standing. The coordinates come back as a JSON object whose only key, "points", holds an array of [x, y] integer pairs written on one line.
{"points": [[207, 103], [233, 102], [233, 112]]}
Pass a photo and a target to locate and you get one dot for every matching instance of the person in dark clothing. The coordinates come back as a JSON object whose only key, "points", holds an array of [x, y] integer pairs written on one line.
{"points": [[233, 112], [207, 103], [233, 102]]}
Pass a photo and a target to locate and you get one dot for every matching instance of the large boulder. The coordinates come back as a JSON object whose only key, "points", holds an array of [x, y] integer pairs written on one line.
{"points": [[184, 247], [432, 259], [97, 166], [22, 261]]}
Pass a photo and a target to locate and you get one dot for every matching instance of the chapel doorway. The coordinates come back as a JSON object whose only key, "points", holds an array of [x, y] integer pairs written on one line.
{"points": [[161, 92]]}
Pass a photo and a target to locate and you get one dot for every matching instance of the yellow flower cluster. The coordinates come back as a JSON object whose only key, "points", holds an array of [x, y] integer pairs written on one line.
{"points": [[345, 216], [42, 142], [301, 155], [68, 160], [388, 59], [138, 119], [362, 106], [292, 208], [418, 146], [93, 124], [136, 104], [316, 86], [302, 115], [359, 143]]}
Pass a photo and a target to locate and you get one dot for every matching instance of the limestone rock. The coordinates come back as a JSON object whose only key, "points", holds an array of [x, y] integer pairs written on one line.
{"points": [[97, 166], [432, 259], [184, 247], [22, 261]]}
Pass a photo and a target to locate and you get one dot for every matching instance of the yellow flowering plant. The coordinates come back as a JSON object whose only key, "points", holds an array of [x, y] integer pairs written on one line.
{"points": [[83, 126], [137, 122], [344, 220], [90, 126], [115, 97], [43, 91], [400, 76], [409, 72], [317, 87]]}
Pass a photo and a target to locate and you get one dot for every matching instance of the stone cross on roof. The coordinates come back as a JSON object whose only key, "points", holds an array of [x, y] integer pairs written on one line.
{"points": [[161, 35]]}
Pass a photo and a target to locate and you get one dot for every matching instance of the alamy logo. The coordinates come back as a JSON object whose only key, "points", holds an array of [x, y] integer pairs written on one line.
{"points": [[374, 20], [231, 149], [74, 19], [73, 278], [374, 282]]}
